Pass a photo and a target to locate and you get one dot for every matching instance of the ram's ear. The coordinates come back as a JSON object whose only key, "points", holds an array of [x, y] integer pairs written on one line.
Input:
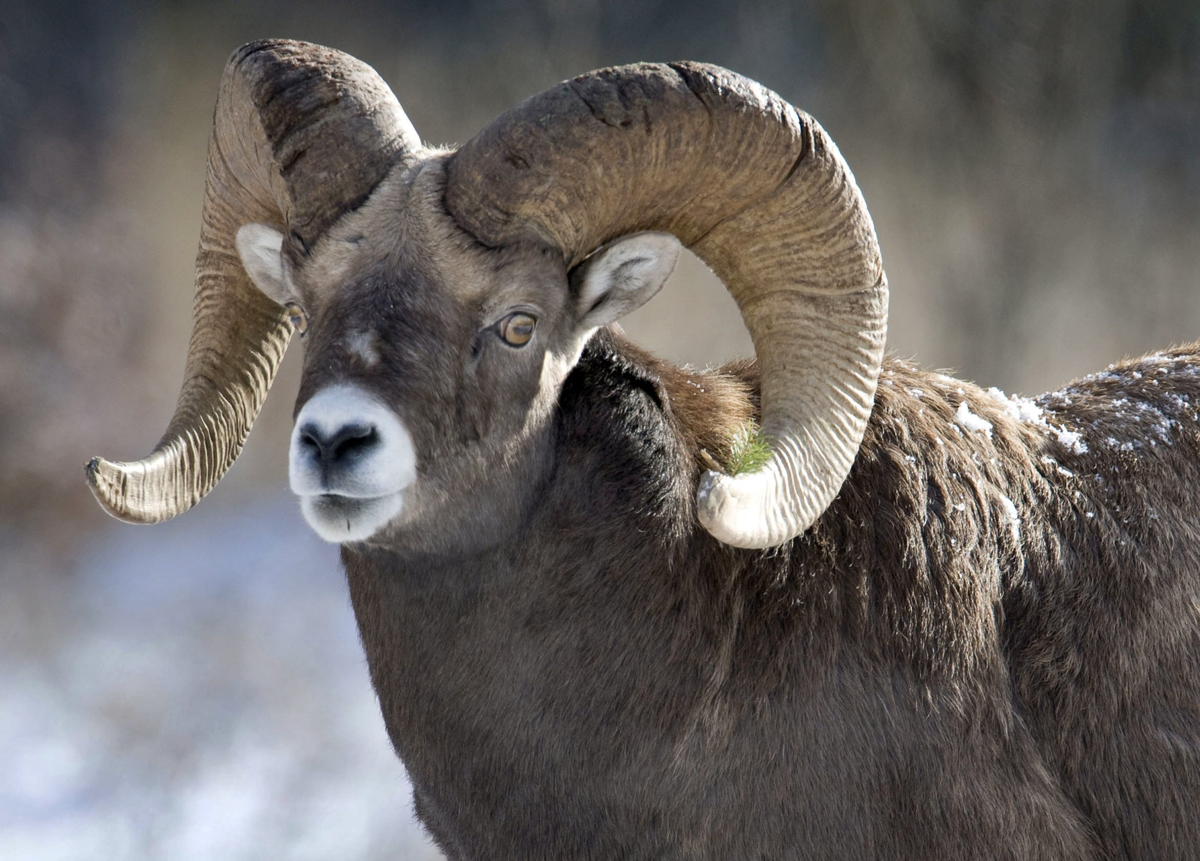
{"points": [[260, 248], [621, 276]]}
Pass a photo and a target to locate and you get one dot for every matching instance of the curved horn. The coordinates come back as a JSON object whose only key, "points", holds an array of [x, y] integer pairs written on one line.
{"points": [[301, 134], [759, 192]]}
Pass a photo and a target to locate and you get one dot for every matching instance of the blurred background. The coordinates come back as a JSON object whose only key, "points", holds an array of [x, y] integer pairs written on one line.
{"points": [[197, 690]]}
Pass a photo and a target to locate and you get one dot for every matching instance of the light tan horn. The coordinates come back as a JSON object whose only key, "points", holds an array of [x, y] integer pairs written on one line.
{"points": [[759, 192], [301, 134]]}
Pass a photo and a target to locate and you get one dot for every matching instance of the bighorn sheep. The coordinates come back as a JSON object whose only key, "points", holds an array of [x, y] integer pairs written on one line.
{"points": [[938, 623]]}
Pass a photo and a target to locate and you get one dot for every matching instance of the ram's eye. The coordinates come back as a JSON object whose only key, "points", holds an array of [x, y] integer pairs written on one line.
{"points": [[298, 318], [516, 329]]}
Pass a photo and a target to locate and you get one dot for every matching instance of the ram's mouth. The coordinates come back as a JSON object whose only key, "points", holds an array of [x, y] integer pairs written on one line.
{"points": [[340, 518]]}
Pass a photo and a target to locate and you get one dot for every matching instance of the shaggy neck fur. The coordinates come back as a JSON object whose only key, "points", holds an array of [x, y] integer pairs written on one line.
{"points": [[986, 647]]}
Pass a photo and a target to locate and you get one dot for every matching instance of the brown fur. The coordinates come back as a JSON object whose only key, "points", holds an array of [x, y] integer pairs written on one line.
{"points": [[911, 678]]}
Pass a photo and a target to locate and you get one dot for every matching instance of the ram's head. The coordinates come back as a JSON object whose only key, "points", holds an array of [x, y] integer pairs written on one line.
{"points": [[446, 295]]}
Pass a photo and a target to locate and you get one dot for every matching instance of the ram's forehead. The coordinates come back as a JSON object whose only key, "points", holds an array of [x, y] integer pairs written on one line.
{"points": [[403, 228]]}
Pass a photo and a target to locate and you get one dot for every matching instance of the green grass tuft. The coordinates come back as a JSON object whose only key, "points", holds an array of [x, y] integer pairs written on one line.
{"points": [[749, 450]]}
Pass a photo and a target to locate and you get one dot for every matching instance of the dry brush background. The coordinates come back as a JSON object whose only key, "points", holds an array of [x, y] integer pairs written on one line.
{"points": [[196, 690]]}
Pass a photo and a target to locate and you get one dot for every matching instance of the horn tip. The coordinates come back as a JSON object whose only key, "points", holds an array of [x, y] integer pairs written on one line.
{"points": [[735, 511], [107, 482], [98, 472]]}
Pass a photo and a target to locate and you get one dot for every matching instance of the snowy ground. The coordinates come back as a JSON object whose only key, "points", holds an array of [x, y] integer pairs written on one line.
{"points": [[202, 694]]}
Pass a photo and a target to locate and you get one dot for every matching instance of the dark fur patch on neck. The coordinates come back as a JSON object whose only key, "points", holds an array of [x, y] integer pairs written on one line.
{"points": [[708, 407]]}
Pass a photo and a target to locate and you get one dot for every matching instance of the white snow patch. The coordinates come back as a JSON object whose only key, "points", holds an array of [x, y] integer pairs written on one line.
{"points": [[1026, 411], [970, 421], [1101, 377], [1019, 409], [1071, 439], [1012, 517]]}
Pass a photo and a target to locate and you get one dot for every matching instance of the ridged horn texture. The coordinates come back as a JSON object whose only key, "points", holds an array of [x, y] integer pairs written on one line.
{"points": [[760, 193], [301, 134]]}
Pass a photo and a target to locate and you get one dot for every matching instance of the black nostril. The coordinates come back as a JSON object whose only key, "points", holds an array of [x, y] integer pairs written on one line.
{"points": [[343, 444], [310, 437], [352, 440]]}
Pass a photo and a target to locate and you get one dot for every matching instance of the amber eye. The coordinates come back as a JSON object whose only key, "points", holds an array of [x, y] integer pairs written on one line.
{"points": [[298, 318], [516, 329]]}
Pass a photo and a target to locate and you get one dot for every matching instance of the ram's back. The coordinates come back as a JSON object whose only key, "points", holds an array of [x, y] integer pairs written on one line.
{"points": [[1074, 521], [1039, 558]]}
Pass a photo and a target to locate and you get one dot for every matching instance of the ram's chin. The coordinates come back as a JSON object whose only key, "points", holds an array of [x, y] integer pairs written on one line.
{"points": [[345, 518]]}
